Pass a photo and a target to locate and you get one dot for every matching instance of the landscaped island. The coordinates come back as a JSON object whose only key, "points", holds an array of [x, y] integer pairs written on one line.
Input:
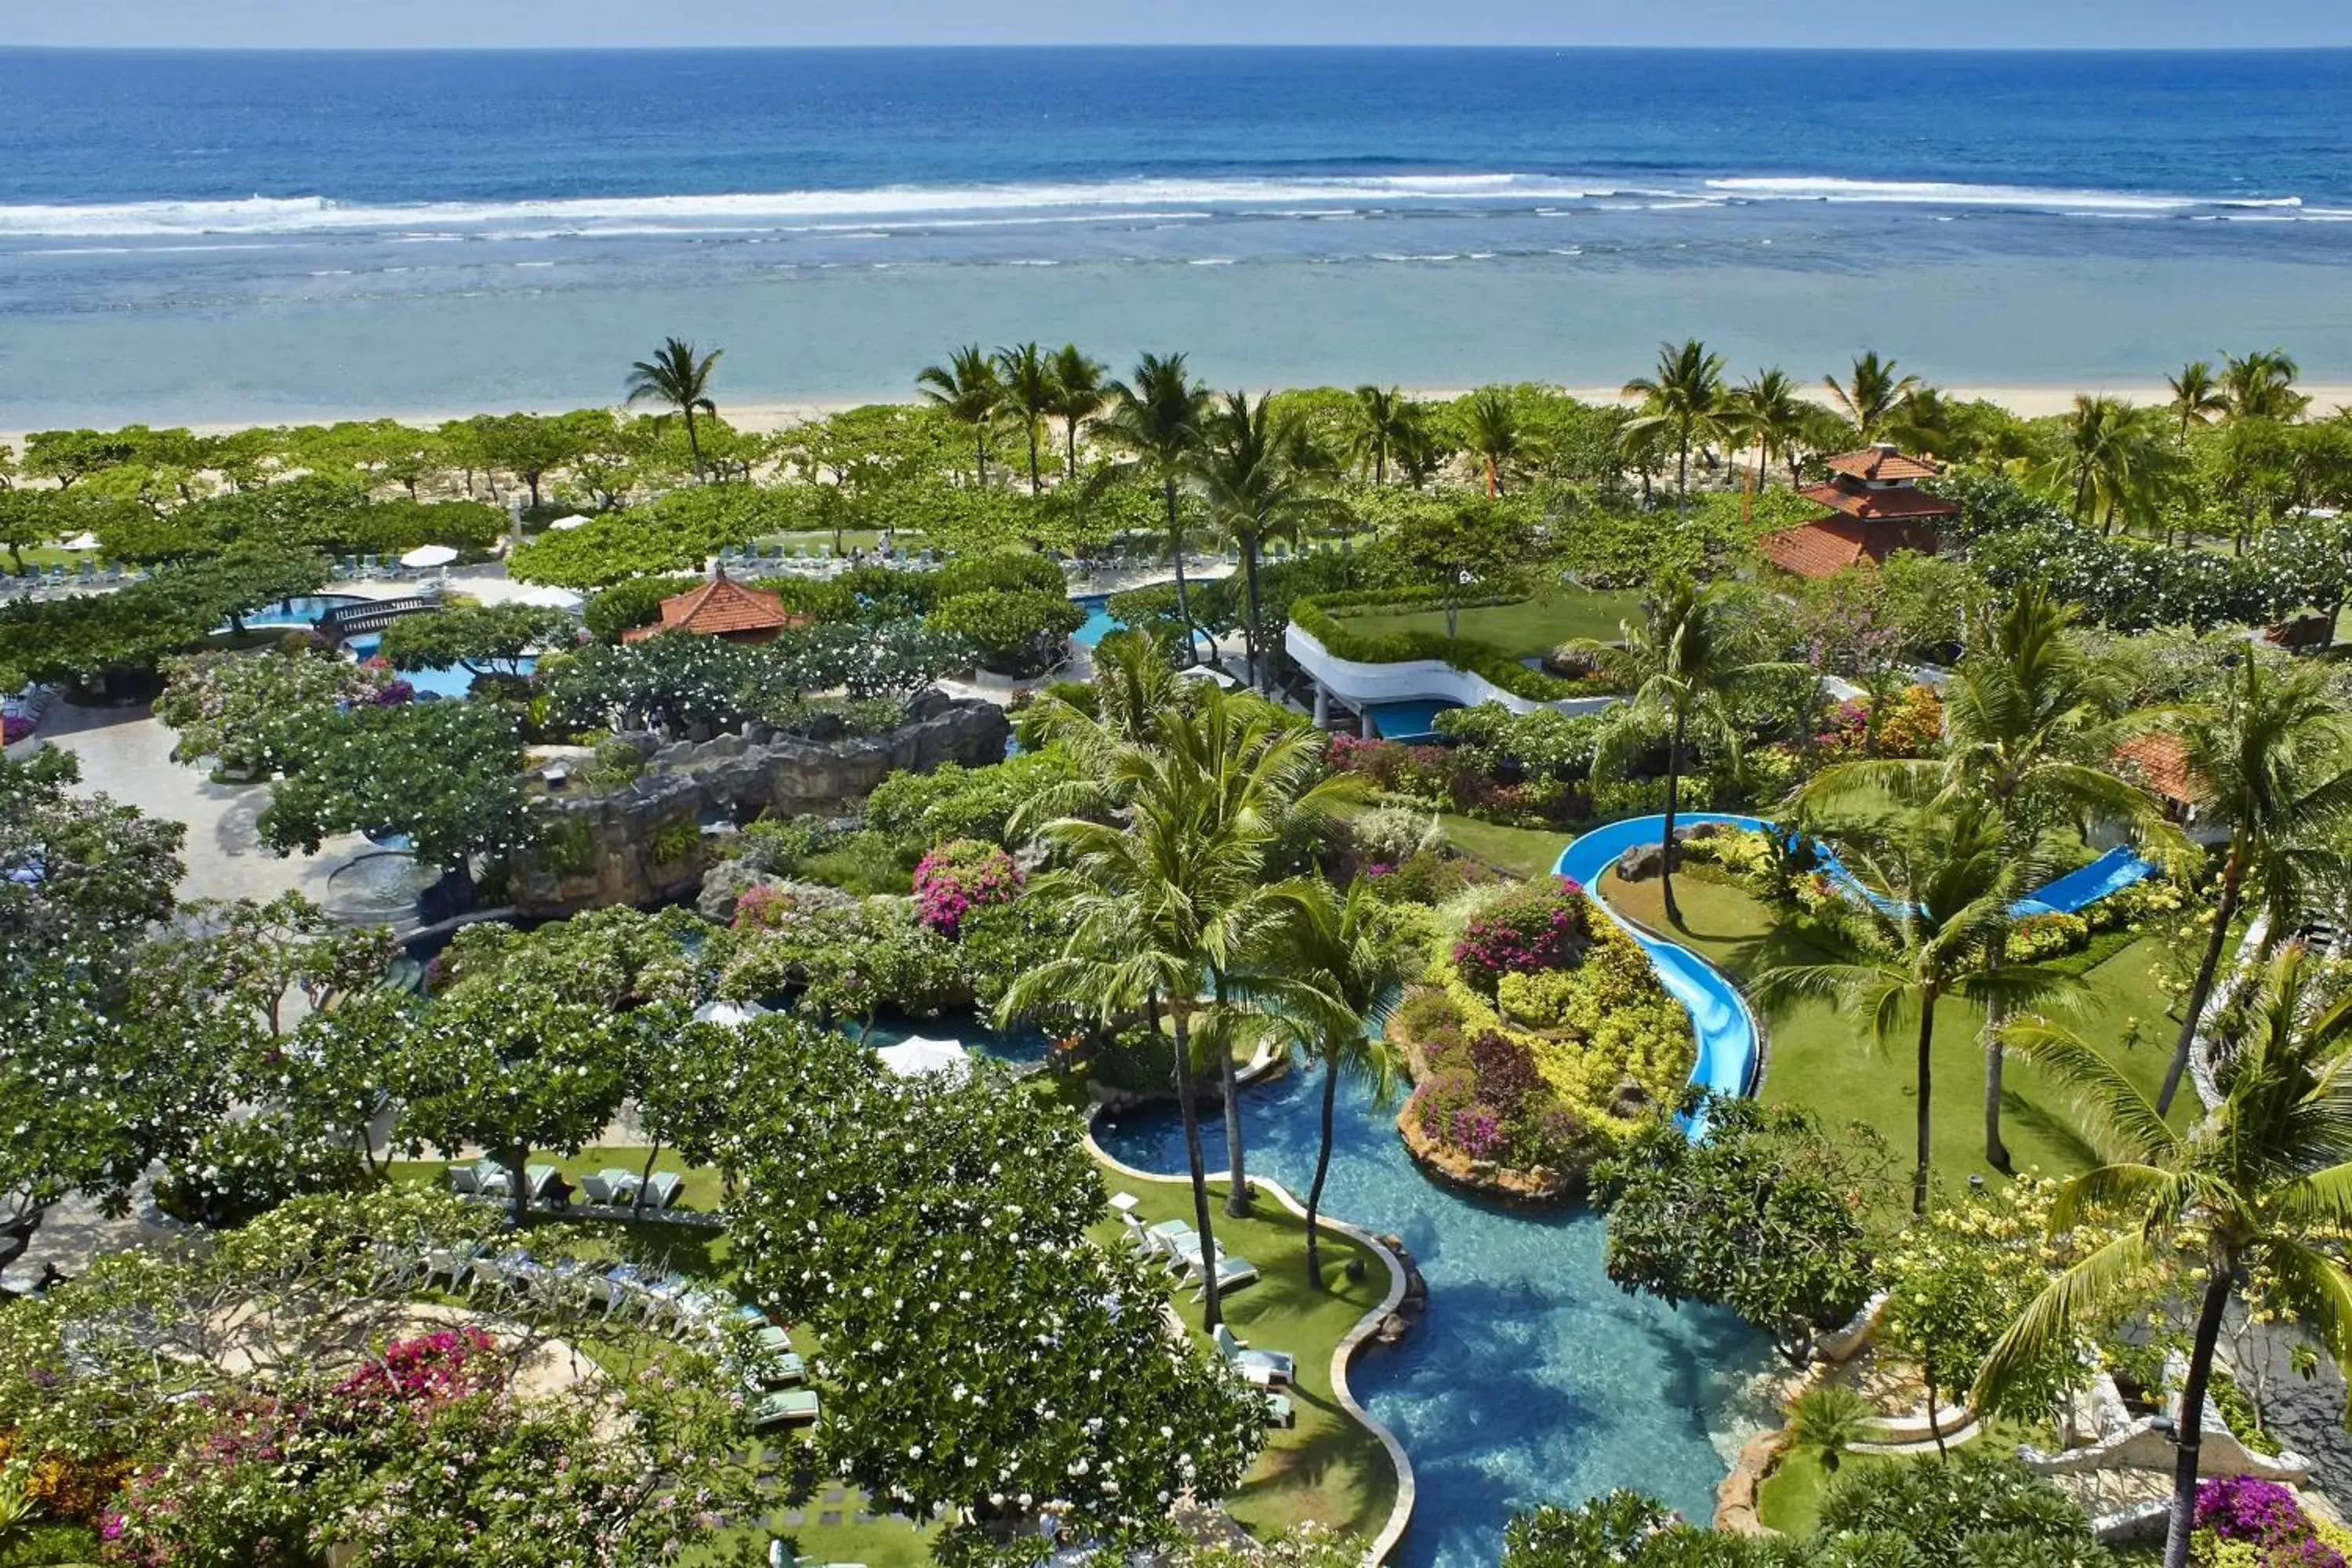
{"points": [[1892, 906]]}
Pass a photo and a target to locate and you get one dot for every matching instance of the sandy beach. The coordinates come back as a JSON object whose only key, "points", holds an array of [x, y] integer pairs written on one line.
{"points": [[2032, 402]]}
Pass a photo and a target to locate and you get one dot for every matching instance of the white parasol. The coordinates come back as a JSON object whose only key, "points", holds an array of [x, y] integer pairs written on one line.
{"points": [[728, 1014], [566, 524], [915, 1057], [80, 541], [429, 555]]}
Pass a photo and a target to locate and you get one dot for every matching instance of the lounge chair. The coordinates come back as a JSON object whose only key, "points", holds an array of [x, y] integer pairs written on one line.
{"points": [[1260, 1367], [599, 1191], [780, 1371], [450, 1262], [491, 1180], [772, 1340], [663, 1188], [622, 1182], [464, 1180], [1233, 1273], [537, 1179], [784, 1408], [1279, 1411]]}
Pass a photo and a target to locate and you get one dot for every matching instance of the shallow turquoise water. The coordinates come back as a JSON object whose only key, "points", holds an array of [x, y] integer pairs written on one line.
{"points": [[1409, 720], [1532, 1379], [1100, 624], [301, 611], [449, 682]]}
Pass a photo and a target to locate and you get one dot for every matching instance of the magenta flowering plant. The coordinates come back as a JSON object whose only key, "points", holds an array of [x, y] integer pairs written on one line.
{"points": [[2245, 1507], [428, 1369], [1546, 925], [959, 877]]}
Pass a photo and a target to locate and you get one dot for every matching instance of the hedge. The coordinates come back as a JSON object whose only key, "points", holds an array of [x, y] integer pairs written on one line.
{"points": [[1315, 617]]}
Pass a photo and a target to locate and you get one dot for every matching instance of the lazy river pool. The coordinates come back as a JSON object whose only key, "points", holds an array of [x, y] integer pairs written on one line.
{"points": [[1532, 1379]]}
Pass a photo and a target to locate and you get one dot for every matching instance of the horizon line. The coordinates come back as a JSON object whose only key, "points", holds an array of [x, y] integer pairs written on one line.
{"points": [[1177, 45]]}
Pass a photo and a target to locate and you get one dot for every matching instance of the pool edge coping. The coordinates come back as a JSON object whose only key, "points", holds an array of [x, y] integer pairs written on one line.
{"points": [[1344, 1352]]}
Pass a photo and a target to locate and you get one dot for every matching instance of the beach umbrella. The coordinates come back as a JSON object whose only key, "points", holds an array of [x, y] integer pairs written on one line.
{"points": [[566, 524], [916, 1057], [80, 541], [429, 555], [546, 597], [728, 1014]]}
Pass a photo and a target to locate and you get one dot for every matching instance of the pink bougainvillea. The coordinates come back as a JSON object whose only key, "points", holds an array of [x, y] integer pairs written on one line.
{"points": [[1547, 926], [427, 1370], [962, 876]]}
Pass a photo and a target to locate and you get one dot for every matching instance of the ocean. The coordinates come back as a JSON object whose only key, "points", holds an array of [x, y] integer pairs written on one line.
{"points": [[217, 237]]}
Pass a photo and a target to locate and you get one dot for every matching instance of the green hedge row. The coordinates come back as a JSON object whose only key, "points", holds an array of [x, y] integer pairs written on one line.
{"points": [[1316, 615]]}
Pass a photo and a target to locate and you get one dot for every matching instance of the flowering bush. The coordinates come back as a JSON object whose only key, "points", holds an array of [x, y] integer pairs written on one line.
{"points": [[14, 727], [427, 1370], [1546, 925], [960, 875], [1910, 724], [2259, 1523], [2038, 937]]}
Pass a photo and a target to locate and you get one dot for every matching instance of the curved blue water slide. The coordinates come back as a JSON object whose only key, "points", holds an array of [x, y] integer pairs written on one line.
{"points": [[1724, 1029]]}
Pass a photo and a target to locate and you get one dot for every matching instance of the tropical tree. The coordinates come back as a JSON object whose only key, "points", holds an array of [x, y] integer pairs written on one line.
{"points": [[1684, 394], [2116, 460], [1871, 395], [2260, 1188], [2261, 385], [678, 377], [2031, 727], [1766, 409], [1257, 489], [1155, 910], [2197, 397], [1345, 952], [1492, 435], [1383, 425], [1939, 888], [968, 390], [1080, 394], [1026, 374], [1155, 417], [1684, 658], [2276, 764]]}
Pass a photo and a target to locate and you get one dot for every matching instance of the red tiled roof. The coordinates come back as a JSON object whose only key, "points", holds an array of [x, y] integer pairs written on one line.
{"points": [[719, 605], [2158, 763], [1824, 548], [1882, 463], [1871, 506]]}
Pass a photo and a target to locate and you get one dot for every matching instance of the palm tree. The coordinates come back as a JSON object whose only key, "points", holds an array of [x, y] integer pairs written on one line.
{"points": [[967, 389], [1939, 888], [2031, 727], [2261, 385], [1685, 396], [2262, 1184], [1383, 424], [1872, 394], [1025, 375], [1156, 416], [1345, 952], [1080, 393], [2116, 460], [680, 377], [1829, 1418], [2272, 763], [1257, 487], [1766, 409], [2197, 397], [1491, 434], [1684, 657]]}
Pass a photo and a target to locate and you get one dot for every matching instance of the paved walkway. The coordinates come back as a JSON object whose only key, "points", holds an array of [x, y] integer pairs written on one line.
{"points": [[127, 754]]}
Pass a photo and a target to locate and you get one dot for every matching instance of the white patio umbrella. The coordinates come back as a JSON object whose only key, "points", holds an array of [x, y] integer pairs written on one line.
{"points": [[728, 1014], [915, 1057], [566, 524], [547, 597], [80, 541], [429, 555]]}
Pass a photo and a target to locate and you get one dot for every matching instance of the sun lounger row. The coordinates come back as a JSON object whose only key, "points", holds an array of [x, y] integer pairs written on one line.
{"points": [[614, 1186], [1179, 1245]]}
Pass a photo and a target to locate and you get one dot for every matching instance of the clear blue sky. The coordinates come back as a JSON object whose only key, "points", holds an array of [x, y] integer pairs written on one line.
{"points": [[1982, 24]]}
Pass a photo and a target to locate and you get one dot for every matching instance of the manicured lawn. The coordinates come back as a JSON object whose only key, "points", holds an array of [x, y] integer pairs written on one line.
{"points": [[1328, 1468], [1820, 1054], [1524, 852], [1529, 625]]}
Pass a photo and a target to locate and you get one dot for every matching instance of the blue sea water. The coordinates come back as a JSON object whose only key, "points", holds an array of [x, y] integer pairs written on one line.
{"points": [[229, 235]]}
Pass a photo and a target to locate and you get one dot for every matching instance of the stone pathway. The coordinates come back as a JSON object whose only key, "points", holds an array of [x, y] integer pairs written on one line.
{"points": [[127, 754]]}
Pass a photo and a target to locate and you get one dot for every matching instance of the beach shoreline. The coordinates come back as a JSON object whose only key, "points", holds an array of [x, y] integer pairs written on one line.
{"points": [[767, 414]]}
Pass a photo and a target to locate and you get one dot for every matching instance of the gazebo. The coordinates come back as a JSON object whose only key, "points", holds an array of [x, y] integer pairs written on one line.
{"points": [[1875, 507], [722, 607]]}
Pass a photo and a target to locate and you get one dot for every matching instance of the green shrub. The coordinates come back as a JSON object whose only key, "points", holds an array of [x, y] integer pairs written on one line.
{"points": [[864, 863], [1019, 628], [628, 605], [997, 570], [674, 842], [2039, 937], [566, 847]]}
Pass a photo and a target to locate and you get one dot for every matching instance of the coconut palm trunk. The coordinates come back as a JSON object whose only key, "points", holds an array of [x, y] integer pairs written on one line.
{"points": [[2190, 1425], [1996, 1152], [1176, 554], [1211, 1315], [1251, 655], [1322, 1169], [1674, 789], [1925, 1070], [2226, 911]]}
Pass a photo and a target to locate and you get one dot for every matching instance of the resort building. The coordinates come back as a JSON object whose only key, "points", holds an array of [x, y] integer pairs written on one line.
{"points": [[722, 607], [1875, 507]]}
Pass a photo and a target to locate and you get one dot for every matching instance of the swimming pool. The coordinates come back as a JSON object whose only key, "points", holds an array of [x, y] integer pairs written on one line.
{"points": [[1100, 623], [1408, 721], [451, 682], [1532, 1379], [304, 611]]}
